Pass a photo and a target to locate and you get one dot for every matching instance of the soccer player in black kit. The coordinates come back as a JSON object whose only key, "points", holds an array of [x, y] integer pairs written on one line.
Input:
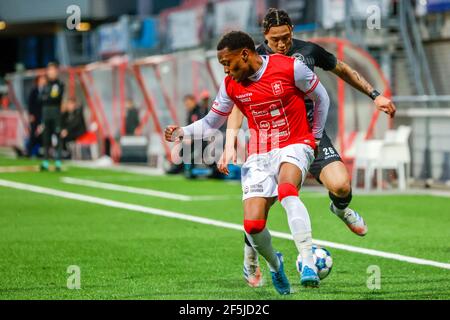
{"points": [[328, 167]]}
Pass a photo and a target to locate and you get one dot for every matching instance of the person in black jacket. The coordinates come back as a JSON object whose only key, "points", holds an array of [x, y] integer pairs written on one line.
{"points": [[72, 123], [193, 110], [35, 112], [132, 118], [51, 114]]}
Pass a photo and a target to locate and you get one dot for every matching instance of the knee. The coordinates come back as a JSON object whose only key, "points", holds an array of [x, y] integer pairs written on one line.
{"points": [[254, 226], [341, 188], [286, 190]]}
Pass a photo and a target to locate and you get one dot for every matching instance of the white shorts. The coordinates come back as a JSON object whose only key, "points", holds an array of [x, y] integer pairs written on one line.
{"points": [[259, 174]]}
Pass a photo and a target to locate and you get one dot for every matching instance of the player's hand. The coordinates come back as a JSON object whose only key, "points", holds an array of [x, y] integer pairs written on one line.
{"points": [[229, 154], [173, 133], [64, 133], [386, 105]]}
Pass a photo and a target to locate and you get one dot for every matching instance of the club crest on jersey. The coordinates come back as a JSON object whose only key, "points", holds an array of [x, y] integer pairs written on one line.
{"points": [[277, 88], [299, 57], [264, 125]]}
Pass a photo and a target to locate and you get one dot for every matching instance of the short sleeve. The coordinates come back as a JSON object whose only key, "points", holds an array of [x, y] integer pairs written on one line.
{"points": [[324, 59], [305, 79]]}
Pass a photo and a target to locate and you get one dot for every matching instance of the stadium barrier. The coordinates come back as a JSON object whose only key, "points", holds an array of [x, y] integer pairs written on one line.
{"points": [[12, 131], [429, 118]]}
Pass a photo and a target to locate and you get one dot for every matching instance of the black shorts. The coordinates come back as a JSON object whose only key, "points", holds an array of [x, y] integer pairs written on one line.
{"points": [[327, 154]]}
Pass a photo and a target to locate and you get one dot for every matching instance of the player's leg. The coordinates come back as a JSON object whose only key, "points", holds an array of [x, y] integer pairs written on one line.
{"points": [[336, 179], [330, 171], [255, 217], [32, 139], [46, 139], [252, 271], [57, 121], [289, 182]]}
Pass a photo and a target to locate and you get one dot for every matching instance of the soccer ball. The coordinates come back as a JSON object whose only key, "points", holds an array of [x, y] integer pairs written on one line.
{"points": [[322, 260]]}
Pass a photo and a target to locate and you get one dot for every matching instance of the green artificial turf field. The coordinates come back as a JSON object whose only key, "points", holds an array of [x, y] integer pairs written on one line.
{"points": [[127, 254]]}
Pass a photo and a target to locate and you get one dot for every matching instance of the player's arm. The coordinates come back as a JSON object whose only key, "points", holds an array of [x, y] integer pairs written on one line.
{"points": [[328, 62], [233, 125], [352, 77], [229, 154], [308, 82], [209, 124]]}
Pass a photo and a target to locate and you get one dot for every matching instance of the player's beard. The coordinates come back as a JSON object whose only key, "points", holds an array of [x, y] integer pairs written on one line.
{"points": [[246, 74], [240, 77]]}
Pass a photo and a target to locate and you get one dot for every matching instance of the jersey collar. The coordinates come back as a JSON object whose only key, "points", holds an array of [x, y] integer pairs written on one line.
{"points": [[258, 74]]}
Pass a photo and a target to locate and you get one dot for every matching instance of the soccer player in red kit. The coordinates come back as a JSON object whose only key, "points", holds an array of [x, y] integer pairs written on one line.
{"points": [[328, 168], [270, 91]]}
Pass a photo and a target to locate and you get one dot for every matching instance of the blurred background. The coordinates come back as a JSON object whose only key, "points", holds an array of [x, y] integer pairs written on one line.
{"points": [[129, 66]]}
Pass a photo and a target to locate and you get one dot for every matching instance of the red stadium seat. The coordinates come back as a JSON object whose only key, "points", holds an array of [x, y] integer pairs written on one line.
{"points": [[89, 139]]}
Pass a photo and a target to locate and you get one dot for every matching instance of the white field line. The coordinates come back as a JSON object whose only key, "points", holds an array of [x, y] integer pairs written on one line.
{"points": [[226, 225], [318, 192], [142, 191], [116, 167]]}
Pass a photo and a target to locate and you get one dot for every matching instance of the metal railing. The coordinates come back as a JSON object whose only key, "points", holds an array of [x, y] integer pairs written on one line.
{"points": [[419, 69]]}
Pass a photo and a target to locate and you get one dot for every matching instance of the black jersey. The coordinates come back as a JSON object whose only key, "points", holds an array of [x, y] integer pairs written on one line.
{"points": [[310, 54], [52, 94], [196, 114]]}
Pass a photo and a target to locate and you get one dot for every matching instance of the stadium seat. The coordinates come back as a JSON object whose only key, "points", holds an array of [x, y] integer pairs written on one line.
{"points": [[350, 151], [89, 139], [395, 154], [134, 149], [366, 156]]}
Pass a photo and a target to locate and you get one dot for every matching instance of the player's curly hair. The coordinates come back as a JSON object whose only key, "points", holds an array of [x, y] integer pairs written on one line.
{"points": [[276, 18], [236, 40]]}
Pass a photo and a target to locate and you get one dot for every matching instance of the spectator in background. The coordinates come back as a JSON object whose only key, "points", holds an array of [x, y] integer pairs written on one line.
{"points": [[132, 118], [72, 123], [52, 96], [192, 114], [197, 111], [35, 113], [204, 103], [208, 22], [192, 108]]}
